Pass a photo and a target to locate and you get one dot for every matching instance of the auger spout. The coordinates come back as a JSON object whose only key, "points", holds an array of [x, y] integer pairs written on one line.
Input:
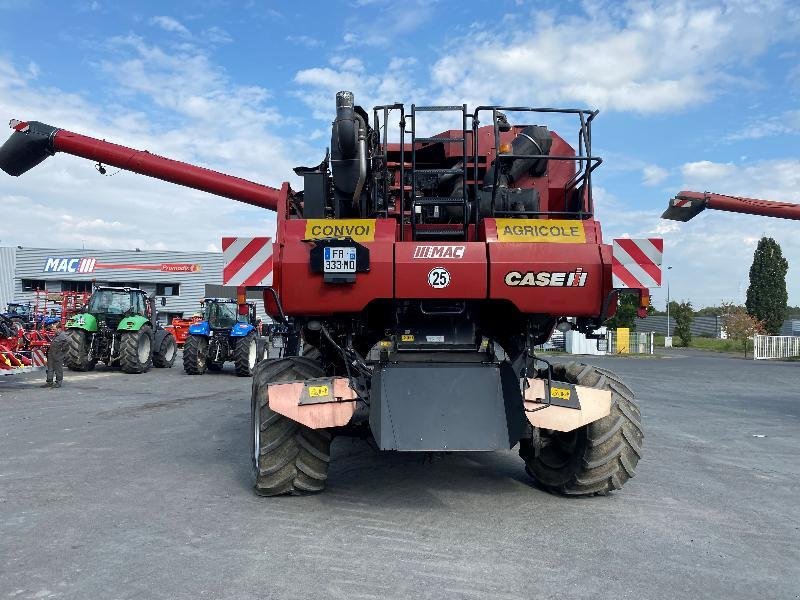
{"points": [[686, 205], [32, 142]]}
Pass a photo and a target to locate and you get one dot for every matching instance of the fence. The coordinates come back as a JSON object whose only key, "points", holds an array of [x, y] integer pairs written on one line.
{"points": [[775, 346], [702, 326], [556, 343], [638, 343]]}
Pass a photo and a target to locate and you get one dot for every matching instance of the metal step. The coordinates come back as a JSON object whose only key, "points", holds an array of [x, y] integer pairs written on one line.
{"points": [[459, 171], [440, 233], [439, 201]]}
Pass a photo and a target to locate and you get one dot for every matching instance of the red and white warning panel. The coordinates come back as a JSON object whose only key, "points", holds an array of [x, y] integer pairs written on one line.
{"points": [[247, 261], [637, 262], [38, 357]]}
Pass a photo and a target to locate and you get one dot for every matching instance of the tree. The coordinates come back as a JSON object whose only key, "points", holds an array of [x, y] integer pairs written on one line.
{"points": [[683, 313], [627, 311], [738, 324], [766, 296], [709, 311]]}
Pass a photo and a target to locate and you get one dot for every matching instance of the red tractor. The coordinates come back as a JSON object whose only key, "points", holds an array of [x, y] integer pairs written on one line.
{"points": [[419, 275]]}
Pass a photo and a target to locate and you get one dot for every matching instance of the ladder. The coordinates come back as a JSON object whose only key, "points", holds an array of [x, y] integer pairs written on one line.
{"points": [[419, 203]]}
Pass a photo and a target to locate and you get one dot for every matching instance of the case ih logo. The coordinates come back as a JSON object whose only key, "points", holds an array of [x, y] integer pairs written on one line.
{"points": [[454, 252], [56, 264], [576, 278]]}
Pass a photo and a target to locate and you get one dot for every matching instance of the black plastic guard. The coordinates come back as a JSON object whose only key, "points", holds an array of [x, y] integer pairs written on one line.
{"points": [[442, 406], [26, 149]]}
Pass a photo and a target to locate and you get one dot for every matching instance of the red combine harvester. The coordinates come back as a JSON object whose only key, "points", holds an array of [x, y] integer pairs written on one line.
{"points": [[687, 205], [420, 275]]}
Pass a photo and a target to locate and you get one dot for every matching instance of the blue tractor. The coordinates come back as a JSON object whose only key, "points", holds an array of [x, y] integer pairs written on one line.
{"points": [[229, 331], [23, 316]]}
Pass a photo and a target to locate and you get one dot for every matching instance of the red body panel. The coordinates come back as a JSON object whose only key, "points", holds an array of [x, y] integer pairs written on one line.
{"points": [[465, 263], [476, 270], [532, 292], [304, 292]]}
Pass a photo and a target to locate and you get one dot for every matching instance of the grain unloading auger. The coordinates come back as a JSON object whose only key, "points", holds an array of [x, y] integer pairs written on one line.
{"points": [[421, 275], [687, 205]]}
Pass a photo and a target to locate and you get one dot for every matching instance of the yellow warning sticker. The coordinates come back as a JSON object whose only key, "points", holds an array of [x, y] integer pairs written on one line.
{"points": [[318, 391], [560, 231], [406, 338], [560, 393], [360, 230]]}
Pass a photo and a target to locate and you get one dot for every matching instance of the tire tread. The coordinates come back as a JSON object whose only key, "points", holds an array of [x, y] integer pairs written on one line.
{"points": [[605, 452]]}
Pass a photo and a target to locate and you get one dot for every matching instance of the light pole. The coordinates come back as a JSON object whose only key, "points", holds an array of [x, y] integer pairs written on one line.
{"points": [[668, 268]]}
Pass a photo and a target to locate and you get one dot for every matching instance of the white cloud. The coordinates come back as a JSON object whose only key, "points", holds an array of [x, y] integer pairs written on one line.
{"points": [[653, 175], [641, 57], [217, 35], [785, 123], [769, 179], [170, 24], [711, 254], [392, 84], [200, 116], [381, 29], [304, 40]]}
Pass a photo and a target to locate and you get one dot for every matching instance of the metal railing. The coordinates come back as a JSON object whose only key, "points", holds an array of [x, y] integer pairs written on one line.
{"points": [[775, 346], [638, 343]]}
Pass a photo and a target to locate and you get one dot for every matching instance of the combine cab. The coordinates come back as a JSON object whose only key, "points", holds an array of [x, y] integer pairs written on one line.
{"points": [[117, 329], [420, 272], [228, 332]]}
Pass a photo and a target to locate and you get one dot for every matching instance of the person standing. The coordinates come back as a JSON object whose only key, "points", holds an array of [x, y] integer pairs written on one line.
{"points": [[55, 358]]}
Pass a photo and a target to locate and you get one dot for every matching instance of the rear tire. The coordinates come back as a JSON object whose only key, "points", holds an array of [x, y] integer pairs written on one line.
{"points": [[77, 356], [596, 458], [288, 458], [136, 350], [164, 356], [245, 355], [195, 354]]}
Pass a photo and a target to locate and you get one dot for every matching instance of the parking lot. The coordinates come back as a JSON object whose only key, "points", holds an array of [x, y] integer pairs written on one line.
{"points": [[126, 486]]}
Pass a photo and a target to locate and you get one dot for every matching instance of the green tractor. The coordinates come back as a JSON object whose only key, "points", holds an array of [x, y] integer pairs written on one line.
{"points": [[117, 329]]}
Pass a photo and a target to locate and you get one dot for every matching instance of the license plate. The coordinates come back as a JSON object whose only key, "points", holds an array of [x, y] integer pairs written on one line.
{"points": [[339, 259]]}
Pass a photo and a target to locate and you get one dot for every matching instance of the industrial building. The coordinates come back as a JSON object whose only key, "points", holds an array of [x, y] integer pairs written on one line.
{"points": [[182, 278]]}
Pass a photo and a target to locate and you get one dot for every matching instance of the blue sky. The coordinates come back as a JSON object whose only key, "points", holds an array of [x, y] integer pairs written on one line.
{"points": [[694, 95]]}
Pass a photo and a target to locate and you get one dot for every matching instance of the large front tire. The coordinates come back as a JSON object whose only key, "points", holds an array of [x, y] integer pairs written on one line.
{"points": [[596, 458], [195, 354], [77, 356], [245, 355], [288, 458], [136, 350]]}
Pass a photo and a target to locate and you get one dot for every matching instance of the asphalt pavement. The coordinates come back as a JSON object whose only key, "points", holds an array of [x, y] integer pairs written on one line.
{"points": [[138, 486]]}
